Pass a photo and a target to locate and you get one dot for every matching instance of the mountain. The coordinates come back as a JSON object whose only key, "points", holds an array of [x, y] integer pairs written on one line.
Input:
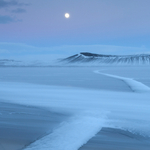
{"points": [[15, 63], [8, 62], [28, 63], [83, 59], [90, 58]]}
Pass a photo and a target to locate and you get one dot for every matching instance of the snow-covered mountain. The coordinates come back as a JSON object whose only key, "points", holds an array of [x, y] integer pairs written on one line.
{"points": [[90, 58], [83, 59], [9, 62], [15, 63]]}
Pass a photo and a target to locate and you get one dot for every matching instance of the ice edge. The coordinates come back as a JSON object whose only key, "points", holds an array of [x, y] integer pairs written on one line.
{"points": [[133, 84]]}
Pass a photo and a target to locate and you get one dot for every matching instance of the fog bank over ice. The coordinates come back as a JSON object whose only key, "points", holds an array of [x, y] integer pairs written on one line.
{"points": [[20, 51]]}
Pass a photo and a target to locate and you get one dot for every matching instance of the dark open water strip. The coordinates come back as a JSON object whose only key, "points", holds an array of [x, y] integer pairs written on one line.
{"points": [[21, 125], [117, 139]]}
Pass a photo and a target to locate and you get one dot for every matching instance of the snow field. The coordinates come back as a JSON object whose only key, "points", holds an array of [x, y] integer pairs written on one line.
{"points": [[91, 109]]}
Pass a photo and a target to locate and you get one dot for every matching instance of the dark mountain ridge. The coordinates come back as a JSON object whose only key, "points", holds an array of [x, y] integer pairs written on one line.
{"points": [[86, 57]]}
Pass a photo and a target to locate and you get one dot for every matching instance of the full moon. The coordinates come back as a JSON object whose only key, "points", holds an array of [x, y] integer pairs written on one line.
{"points": [[67, 15]]}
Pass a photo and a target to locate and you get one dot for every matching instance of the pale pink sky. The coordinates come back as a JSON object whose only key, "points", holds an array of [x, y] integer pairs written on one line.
{"points": [[42, 23]]}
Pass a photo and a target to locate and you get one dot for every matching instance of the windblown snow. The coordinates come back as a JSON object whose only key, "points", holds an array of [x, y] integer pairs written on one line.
{"points": [[91, 110], [134, 85], [72, 134]]}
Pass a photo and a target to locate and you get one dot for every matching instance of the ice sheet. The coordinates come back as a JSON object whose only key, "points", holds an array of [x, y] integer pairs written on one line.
{"points": [[123, 109]]}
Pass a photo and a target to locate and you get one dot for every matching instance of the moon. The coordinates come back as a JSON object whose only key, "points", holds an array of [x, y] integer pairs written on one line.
{"points": [[67, 15]]}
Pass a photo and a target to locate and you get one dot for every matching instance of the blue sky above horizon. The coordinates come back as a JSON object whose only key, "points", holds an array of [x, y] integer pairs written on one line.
{"points": [[102, 26]]}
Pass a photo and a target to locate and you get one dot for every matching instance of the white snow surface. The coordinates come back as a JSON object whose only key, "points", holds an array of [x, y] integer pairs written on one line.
{"points": [[134, 85], [91, 109], [72, 134]]}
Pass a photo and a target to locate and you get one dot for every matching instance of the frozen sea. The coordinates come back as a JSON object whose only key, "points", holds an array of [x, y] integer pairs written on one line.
{"points": [[75, 108]]}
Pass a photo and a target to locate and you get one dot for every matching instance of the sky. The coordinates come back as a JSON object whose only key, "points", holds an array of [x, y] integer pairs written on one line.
{"points": [[38, 27]]}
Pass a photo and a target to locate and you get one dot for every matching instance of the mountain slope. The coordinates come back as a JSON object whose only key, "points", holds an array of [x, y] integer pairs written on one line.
{"points": [[86, 57]]}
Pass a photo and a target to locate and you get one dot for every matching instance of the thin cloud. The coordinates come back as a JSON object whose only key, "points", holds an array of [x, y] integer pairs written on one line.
{"points": [[4, 3], [18, 10], [6, 19]]}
